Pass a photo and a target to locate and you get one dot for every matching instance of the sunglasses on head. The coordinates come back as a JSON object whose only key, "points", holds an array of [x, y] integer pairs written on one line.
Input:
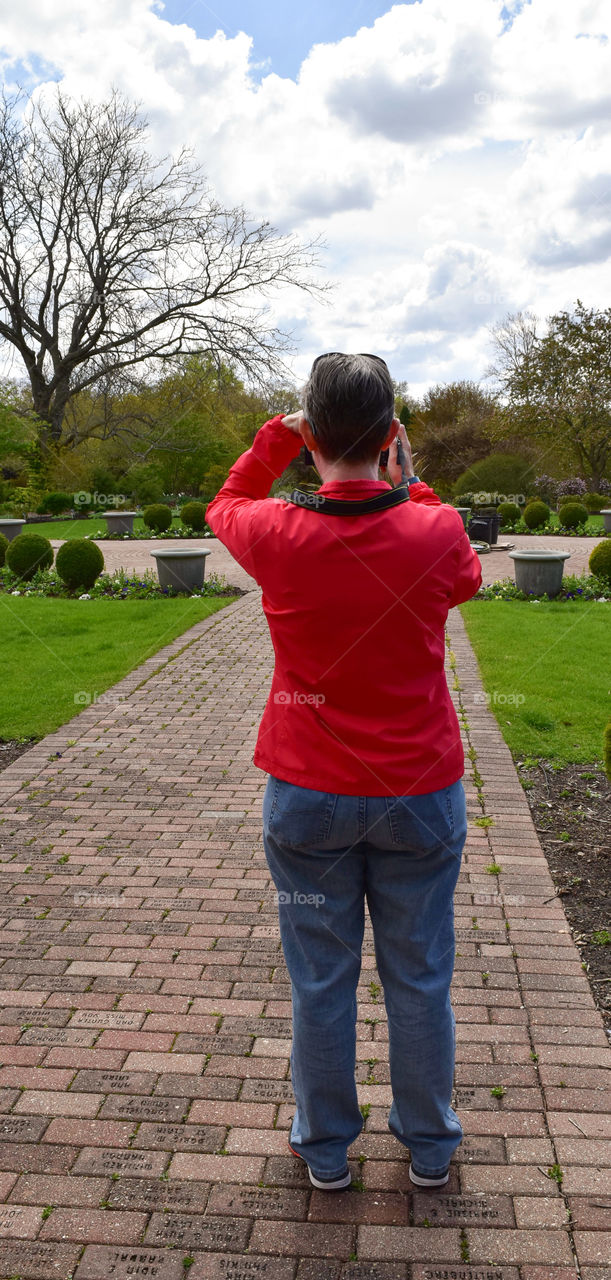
{"points": [[367, 354]]}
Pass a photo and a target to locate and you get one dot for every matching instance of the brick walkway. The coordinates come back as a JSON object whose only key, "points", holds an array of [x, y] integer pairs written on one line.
{"points": [[145, 1032]]}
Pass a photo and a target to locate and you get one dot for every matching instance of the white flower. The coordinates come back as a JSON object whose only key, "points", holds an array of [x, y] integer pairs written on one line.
{"points": [[15, 593], [599, 600], [85, 597]]}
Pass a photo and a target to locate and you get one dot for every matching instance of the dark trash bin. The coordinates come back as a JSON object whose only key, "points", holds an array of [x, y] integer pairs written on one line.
{"points": [[485, 527]]}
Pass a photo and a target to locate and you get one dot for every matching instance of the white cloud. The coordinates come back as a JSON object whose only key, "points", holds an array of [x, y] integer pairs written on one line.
{"points": [[454, 156]]}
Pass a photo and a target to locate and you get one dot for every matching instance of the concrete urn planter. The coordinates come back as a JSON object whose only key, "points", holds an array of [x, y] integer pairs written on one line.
{"points": [[120, 521], [606, 515], [539, 572], [181, 569], [464, 513], [11, 527]]}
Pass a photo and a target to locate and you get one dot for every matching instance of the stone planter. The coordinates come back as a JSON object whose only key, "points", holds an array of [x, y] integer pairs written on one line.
{"points": [[181, 569], [11, 527], [606, 515], [119, 521], [464, 513], [539, 571]]}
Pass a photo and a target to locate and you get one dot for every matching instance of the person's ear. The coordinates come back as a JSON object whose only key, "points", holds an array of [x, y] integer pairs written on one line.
{"points": [[392, 433], [309, 438]]}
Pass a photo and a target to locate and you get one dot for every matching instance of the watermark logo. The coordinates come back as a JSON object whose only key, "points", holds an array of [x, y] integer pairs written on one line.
{"points": [[84, 899], [294, 898], [84, 499], [285, 697], [84, 699], [485, 499], [498, 698]]}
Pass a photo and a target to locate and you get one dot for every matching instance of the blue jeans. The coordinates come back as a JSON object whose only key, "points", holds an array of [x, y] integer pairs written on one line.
{"points": [[328, 853]]}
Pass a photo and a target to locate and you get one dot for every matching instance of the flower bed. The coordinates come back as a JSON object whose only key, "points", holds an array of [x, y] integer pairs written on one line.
{"points": [[116, 586], [102, 535], [583, 587]]}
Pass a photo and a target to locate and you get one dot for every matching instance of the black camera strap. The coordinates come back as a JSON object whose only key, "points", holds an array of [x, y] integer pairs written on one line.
{"points": [[347, 506]]}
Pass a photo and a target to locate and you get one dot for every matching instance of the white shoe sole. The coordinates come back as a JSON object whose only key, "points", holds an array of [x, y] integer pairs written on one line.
{"points": [[419, 1181]]}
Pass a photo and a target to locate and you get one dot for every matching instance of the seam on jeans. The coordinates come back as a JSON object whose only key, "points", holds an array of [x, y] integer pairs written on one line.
{"points": [[273, 805], [450, 808]]}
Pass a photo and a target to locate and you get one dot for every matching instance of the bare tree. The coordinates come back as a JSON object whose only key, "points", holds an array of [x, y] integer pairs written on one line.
{"points": [[514, 341], [111, 259]]}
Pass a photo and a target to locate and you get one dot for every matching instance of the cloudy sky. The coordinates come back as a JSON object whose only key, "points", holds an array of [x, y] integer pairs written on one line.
{"points": [[454, 154]]}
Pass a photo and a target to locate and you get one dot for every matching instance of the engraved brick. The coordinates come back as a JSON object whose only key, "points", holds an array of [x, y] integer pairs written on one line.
{"points": [[99, 1262], [258, 1202], [461, 1210], [19, 1221], [37, 1261], [195, 1232], [133, 1164]]}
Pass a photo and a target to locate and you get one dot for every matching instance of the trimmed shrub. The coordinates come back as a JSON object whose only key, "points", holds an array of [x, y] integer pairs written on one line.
{"points": [[572, 514], [536, 514], [600, 561], [499, 473], [595, 502], [79, 562], [55, 503], [193, 515], [463, 500], [509, 512], [4, 543], [157, 517], [27, 553]]}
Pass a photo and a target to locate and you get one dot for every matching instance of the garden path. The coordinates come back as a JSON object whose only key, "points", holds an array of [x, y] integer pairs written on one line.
{"points": [[145, 1025]]}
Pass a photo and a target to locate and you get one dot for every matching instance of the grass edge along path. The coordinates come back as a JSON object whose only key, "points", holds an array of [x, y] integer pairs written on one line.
{"points": [[58, 656], [544, 668]]}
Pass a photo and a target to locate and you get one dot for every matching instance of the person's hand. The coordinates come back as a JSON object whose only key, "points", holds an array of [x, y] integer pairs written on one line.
{"points": [[394, 467], [294, 422]]}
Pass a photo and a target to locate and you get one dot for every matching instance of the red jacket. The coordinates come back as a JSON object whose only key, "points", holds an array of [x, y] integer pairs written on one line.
{"points": [[356, 607]]}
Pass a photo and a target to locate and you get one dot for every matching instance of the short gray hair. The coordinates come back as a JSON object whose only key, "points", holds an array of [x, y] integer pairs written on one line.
{"points": [[349, 401]]}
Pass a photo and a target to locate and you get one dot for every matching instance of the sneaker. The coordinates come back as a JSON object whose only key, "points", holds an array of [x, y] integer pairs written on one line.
{"points": [[338, 1183], [427, 1179]]}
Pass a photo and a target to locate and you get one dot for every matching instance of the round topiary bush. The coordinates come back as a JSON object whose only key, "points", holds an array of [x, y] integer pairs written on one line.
{"points": [[600, 561], [157, 517], [193, 515], [55, 503], [79, 562], [509, 513], [27, 553], [4, 543], [536, 514], [572, 514]]}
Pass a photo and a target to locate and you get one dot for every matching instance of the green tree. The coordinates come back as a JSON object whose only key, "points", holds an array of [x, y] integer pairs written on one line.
{"points": [[558, 384], [453, 428]]}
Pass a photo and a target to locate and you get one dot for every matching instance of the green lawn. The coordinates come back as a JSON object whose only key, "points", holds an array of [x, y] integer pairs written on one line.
{"points": [[79, 528], [57, 655], [594, 527], [546, 670]]}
